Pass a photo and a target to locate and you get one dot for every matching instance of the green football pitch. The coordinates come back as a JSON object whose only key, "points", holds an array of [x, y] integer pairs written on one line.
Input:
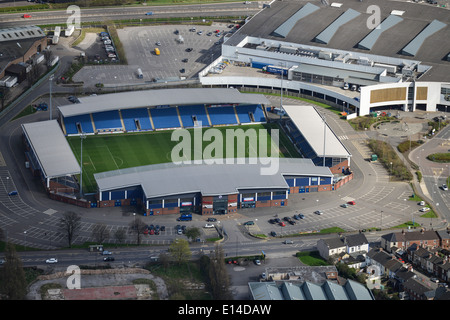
{"points": [[106, 152]]}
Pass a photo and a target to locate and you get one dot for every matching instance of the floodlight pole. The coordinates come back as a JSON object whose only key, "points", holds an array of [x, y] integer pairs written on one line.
{"points": [[82, 137], [324, 136], [50, 79]]}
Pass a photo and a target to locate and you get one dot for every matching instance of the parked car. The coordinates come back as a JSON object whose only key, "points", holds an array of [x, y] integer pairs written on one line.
{"points": [[108, 259], [344, 205], [185, 60], [249, 223], [258, 262], [282, 224], [158, 43], [301, 216], [183, 70], [424, 209], [13, 193], [211, 219], [421, 203], [319, 212], [288, 242], [209, 225], [352, 203], [444, 187], [273, 233], [51, 260], [189, 49], [106, 252]]}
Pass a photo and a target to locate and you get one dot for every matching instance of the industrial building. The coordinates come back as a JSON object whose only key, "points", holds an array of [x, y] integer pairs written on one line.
{"points": [[19, 48], [331, 52]]}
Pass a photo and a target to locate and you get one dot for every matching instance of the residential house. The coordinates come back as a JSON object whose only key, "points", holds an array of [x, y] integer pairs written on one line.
{"points": [[381, 263], [444, 238], [403, 240], [418, 290], [353, 245]]}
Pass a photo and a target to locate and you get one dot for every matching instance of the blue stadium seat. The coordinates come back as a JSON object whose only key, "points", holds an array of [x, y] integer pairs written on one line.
{"points": [[244, 112], [165, 118], [107, 120], [222, 115], [187, 114], [83, 121], [136, 119]]}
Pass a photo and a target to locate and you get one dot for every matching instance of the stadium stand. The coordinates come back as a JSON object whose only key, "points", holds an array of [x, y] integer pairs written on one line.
{"points": [[192, 115], [165, 118], [136, 119], [222, 115], [78, 124], [107, 121], [250, 113]]}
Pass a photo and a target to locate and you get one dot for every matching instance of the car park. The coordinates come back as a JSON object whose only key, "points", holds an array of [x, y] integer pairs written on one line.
{"points": [[51, 260]]}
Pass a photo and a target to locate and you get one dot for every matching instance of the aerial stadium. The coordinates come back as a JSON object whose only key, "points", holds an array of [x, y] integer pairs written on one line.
{"points": [[116, 150]]}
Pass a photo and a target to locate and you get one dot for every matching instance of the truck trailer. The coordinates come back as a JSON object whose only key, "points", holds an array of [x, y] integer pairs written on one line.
{"points": [[276, 70]]}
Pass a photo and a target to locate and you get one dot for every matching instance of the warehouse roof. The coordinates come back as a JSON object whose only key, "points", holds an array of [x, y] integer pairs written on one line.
{"points": [[309, 122], [209, 179], [51, 148], [163, 97]]}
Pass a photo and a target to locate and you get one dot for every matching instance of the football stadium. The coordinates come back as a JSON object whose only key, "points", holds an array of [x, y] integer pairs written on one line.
{"points": [[117, 149]]}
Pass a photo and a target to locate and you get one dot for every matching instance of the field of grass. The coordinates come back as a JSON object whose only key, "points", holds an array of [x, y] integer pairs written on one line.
{"points": [[119, 151]]}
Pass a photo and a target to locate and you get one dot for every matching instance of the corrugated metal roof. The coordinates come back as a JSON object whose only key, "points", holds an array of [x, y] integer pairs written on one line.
{"points": [[51, 148], [369, 41], [149, 98], [210, 179], [20, 33], [309, 122], [326, 35], [413, 47], [284, 29]]}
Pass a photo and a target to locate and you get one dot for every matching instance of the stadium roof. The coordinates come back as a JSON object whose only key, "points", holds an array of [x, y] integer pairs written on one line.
{"points": [[51, 149], [163, 97], [162, 180], [309, 122]]}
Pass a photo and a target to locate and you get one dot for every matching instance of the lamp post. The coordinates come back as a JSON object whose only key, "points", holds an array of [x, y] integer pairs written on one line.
{"points": [[50, 79], [82, 137]]}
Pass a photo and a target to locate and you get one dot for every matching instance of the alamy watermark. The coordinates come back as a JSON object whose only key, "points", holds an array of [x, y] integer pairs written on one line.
{"points": [[240, 146]]}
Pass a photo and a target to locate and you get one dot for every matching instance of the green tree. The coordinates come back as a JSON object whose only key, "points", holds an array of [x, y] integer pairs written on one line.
{"points": [[218, 276], [192, 233], [12, 277], [179, 250]]}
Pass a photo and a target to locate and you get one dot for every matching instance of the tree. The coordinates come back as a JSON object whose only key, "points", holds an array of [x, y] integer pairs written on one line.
{"points": [[192, 233], [12, 276], [179, 250], [218, 276], [5, 94], [120, 235], [100, 233], [70, 224], [138, 227]]}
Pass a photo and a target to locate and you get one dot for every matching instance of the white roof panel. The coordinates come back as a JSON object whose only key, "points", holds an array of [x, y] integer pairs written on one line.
{"points": [[309, 122], [51, 148]]}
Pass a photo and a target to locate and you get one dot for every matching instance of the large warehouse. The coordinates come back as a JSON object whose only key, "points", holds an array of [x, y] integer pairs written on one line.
{"points": [[401, 62]]}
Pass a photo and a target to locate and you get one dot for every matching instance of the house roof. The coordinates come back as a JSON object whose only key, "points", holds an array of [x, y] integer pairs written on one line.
{"points": [[354, 240], [411, 236]]}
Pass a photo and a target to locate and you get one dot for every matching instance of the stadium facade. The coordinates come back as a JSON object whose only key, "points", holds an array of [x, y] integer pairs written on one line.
{"points": [[402, 63]]}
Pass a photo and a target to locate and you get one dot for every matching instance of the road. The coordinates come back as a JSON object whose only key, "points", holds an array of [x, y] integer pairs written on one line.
{"points": [[104, 14]]}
